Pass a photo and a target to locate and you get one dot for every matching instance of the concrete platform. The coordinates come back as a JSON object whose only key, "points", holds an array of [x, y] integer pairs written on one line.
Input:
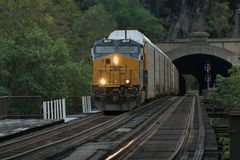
{"points": [[11, 128]]}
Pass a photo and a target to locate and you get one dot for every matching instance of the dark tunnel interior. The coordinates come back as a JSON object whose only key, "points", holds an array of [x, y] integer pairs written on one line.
{"points": [[195, 65]]}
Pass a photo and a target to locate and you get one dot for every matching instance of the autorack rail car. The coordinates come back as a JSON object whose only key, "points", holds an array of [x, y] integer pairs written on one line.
{"points": [[129, 69]]}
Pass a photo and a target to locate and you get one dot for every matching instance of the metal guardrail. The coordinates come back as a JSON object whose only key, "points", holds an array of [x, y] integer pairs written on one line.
{"points": [[32, 106], [3, 107], [55, 109], [20, 106], [74, 105]]}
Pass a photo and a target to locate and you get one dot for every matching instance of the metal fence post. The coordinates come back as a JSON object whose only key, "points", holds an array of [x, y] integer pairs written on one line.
{"points": [[51, 106], [57, 109], [3, 107], [60, 108], [89, 103], [48, 110], [54, 109], [83, 104], [234, 133], [44, 110], [64, 108]]}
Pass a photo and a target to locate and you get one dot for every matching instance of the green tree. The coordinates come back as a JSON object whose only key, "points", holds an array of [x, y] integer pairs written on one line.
{"points": [[230, 87], [80, 29], [191, 82], [218, 19], [18, 17], [78, 78], [63, 15], [85, 4], [95, 24], [130, 14], [37, 49], [40, 65], [30, 64]]}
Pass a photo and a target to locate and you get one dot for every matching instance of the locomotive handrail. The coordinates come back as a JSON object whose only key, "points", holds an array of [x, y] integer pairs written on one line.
{"points": [[126, 68]]}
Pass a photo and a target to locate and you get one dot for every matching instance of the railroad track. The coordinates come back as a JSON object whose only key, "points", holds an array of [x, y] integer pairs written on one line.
{"points": [[30, 143], [41, 135], [100, 147], [37, 146], [159, 137]]}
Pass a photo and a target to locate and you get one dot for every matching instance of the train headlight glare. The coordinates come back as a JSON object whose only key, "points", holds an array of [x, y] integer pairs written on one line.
{"points": [[115, 60], [127, 81], [102, 81]]}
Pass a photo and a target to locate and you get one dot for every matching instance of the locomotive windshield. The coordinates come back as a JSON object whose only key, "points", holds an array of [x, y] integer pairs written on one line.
{"points": [[131, 51], [104, 50], [105, 47], [128, 49]]}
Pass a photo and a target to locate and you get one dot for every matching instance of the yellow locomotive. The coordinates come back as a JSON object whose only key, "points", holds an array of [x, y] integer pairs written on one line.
{"points": [[128, 69]]}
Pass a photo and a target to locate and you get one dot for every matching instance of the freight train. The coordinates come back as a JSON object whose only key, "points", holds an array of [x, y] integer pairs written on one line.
{"points": [[129, 69]]}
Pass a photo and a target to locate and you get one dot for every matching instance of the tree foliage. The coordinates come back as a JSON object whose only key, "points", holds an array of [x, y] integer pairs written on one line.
{"points": [[36, 52], [191, 83], [95, 24], [230, 87], [130, 14], [18, 17], [38, 65], [217, 20]]}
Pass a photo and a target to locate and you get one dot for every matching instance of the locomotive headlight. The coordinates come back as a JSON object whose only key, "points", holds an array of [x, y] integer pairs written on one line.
{"points": [[102, 81], [127, 81], [115, 60]]}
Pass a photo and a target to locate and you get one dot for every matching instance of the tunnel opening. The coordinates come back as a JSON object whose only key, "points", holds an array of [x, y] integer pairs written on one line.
{"points": [[192, 86], [202, 66]]}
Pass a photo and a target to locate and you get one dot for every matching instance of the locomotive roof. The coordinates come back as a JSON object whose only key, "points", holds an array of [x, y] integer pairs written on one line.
{"points": [[130, 34], [134, 35]]}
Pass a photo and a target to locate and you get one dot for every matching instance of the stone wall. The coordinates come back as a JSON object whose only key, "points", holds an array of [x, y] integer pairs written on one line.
{"points": [[232, 45]]}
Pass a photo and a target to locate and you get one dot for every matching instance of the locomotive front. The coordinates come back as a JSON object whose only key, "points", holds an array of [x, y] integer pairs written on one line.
{"points": [[117, 74]]}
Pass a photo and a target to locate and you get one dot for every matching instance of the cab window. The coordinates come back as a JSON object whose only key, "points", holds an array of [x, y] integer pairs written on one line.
{"points": [[131, 51], [128, 49], [101, 51]]}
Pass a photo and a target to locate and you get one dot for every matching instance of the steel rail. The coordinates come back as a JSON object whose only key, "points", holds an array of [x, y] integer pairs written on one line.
{"points": [[65, 142], [41, 135], [185, 135], [129, 143], [190, 139], [84, 136], [198, 155]]}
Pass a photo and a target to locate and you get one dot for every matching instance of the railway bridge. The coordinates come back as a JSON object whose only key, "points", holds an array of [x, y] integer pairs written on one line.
{"points": [[192, 54]]}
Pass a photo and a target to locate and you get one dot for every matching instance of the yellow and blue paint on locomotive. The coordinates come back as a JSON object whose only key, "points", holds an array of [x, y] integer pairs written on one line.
{"points": [[127, 71]]}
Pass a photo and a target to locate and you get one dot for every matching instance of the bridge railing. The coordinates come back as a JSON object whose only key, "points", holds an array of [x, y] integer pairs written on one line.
{"points": [[20, 106], [60, 108], [54, 109], [33, 106]]}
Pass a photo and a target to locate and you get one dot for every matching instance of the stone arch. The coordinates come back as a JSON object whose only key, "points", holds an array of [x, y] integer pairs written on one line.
{"points": [[196, 49], [191, 55]]}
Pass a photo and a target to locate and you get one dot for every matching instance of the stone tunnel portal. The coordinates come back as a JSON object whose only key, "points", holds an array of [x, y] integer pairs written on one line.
{"points": [[195, 65], [191, 57]]}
